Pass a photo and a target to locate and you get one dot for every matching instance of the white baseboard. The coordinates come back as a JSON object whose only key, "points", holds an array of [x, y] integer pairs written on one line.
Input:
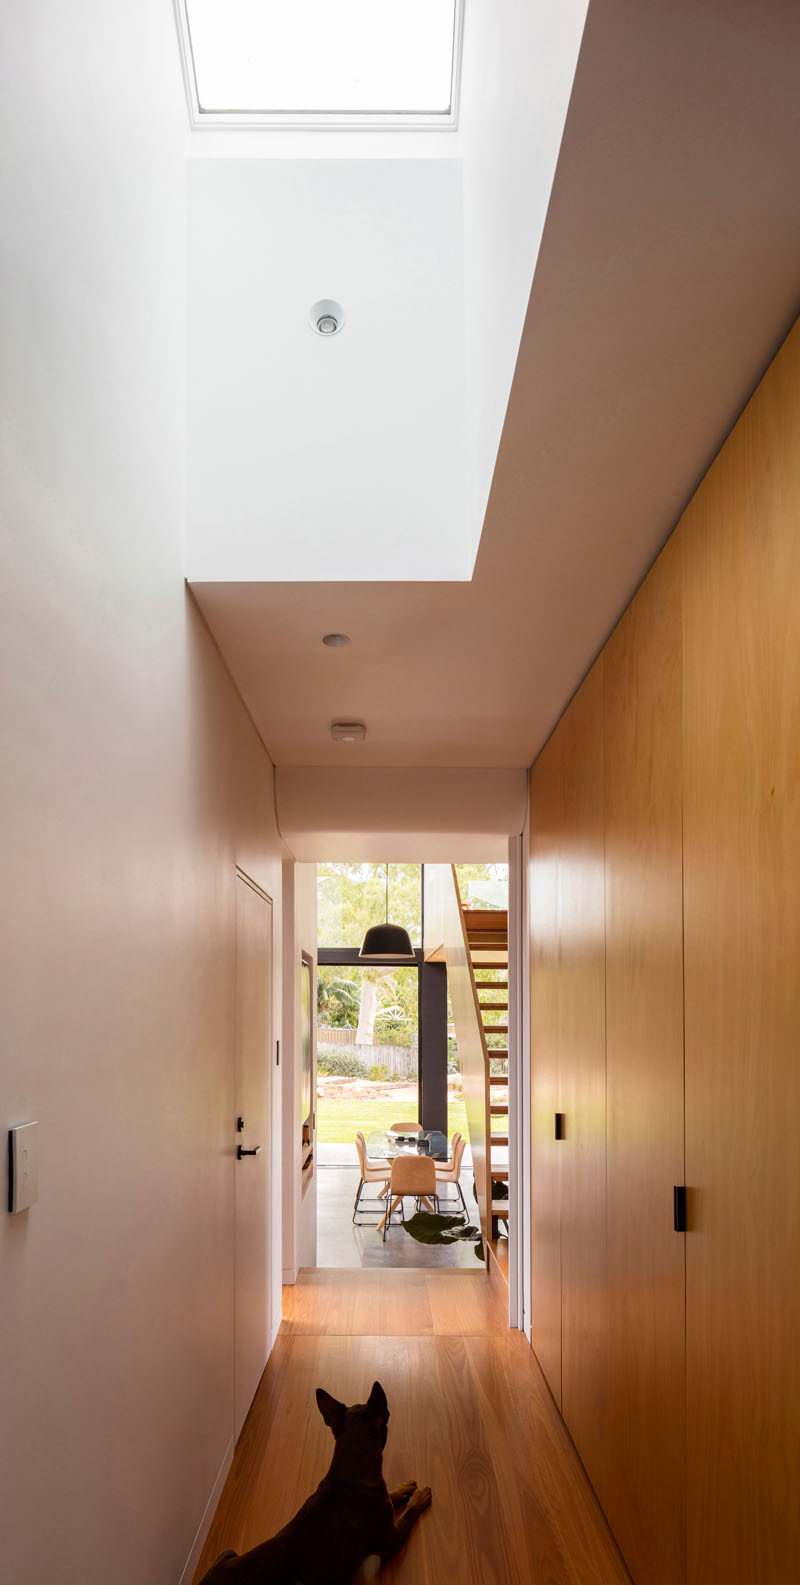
{"points": [[208, 1514], [289, 1276]]}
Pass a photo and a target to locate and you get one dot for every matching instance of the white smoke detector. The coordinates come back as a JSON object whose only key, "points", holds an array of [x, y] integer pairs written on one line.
{"points": [[348, 731], [326, 317]]}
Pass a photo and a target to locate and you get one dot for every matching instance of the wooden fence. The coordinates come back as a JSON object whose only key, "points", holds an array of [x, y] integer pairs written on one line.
{"points": [[396, 1059]]}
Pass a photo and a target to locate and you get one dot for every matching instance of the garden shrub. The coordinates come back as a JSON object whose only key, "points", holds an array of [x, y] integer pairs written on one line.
{"points": [[342, 1063]]}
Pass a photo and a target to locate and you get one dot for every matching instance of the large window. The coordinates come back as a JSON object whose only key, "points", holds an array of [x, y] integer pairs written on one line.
{"points": [[351, 897], [367, 1049]]}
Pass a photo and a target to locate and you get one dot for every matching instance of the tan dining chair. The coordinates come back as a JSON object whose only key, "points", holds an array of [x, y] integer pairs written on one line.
{"points": [[450, 1171], [410, 1175], [371, 1172], [405, 1128]]}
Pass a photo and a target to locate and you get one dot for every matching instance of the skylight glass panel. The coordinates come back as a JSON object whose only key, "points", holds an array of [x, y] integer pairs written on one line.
{"points": [[322, 59]]}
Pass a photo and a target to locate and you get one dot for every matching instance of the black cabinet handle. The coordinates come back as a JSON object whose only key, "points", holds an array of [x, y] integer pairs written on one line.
{"points": [[679, 1207], [240, 1151], [559, 1125]]}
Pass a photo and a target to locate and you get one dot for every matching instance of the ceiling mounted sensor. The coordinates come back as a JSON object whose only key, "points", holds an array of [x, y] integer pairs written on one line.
{"points": [[336, 640], [348, 731], [387, 942], [326, 317]]}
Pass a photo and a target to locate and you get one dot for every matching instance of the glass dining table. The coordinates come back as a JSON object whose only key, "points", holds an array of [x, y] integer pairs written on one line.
{"points": [[383, 1144]]}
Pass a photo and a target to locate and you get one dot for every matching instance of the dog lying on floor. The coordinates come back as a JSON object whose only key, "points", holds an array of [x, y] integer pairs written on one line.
{"points": [[351, 1515]]}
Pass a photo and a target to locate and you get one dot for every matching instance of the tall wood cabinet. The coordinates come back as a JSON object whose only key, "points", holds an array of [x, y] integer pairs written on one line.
{"points": [[643, 1490], [568, 1012], [582, 1062], [546, 828], [740, 544], [665, 1007]]}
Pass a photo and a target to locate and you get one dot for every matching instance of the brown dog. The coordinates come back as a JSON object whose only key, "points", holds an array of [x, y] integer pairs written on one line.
{"points": [[350, 1516]]}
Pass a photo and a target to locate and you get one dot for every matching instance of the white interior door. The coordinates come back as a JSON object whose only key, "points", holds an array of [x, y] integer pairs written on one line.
{"points": [[252, 1126]]}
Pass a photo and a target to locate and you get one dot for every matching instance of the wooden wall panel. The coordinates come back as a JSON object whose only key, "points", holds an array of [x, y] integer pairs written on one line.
{"points": [[643, 1485], [582, 1066], [741, 544], [546, 831]]}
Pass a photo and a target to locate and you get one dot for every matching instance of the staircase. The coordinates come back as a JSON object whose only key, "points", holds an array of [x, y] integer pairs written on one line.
{"points": [[486, 934]]}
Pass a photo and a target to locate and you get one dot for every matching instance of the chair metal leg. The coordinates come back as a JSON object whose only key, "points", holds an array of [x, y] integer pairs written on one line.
{"points": [[369, 1206], [387, 1217], [448, 1201]]}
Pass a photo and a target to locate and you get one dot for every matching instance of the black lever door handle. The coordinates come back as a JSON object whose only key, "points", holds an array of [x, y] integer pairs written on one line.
{"points": [[679, 1207], [240, 1151]]}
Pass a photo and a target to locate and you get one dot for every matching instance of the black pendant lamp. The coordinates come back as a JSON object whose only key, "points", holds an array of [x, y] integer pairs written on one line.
{"points": [[387, 942]]}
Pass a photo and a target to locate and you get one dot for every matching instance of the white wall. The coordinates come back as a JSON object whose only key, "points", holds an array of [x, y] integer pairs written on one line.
{"points": [[133, 783], [414, 813], [312, 458], [519, 63], [300, 937]]}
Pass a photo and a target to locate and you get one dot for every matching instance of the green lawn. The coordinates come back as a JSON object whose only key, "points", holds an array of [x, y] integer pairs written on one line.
{"points": [[338, 1120]]}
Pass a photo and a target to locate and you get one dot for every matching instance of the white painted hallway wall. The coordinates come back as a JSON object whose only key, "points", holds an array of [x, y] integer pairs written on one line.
{"points": [[133, 782]]}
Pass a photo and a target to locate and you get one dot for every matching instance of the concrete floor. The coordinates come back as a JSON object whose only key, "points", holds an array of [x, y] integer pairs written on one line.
{"points": [[342, 1245]]}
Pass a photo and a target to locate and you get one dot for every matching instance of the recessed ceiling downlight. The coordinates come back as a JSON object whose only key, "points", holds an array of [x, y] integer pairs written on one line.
{"points": [[348, 731], [326, 317], [336, 640]]}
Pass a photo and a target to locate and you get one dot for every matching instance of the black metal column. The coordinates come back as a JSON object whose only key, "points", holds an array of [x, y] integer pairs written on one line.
{"points": [[433, 1046]]}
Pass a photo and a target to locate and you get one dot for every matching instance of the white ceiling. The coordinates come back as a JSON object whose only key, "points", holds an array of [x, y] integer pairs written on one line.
{"points": [[668, 272]]}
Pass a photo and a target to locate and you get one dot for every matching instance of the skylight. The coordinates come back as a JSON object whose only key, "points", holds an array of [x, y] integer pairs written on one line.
{"points": [[311, 62]]}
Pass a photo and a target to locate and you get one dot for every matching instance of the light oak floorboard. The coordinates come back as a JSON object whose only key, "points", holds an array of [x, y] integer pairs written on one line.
{"points": [[470, 1415]]}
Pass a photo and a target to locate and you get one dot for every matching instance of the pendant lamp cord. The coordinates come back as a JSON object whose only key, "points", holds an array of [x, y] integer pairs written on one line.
{"points": [[387, 894]]}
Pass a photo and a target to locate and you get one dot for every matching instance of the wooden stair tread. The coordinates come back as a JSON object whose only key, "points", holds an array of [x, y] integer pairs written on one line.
{"points": [[491, 918], [491, 985], [495, 1029], [500, 1208], [498, 1078], [499, 1174], [493, 1007], [498, 1139], [497, 1109]]}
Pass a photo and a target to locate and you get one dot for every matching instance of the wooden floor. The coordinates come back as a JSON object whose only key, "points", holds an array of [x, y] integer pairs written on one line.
{"points": [[470, 1416]]}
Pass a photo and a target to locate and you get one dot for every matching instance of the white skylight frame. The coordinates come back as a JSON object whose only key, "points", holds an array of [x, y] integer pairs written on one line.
{"points": [[214, 120]]}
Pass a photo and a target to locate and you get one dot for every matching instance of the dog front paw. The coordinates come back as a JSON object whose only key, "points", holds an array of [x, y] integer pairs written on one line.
{"points": [[421, 1498]]}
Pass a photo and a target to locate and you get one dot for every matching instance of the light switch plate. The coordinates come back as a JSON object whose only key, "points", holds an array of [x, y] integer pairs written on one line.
{"points": [[23, 1166]]}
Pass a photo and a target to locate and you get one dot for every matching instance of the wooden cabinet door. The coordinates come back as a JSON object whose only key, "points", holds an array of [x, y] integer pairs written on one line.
{"points": [[742, 885], [582, 1062], [643, 1484], [546, 833]]}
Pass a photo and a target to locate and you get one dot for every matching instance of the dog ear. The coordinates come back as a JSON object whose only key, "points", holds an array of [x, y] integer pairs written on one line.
{"points": [[332, 1411], [377, 1402]]}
